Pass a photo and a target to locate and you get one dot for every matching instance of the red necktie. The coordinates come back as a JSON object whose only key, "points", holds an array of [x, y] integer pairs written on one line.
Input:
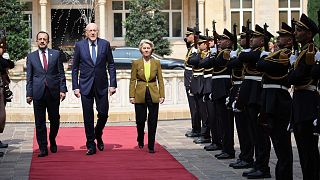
{"points": [[45, 62]]}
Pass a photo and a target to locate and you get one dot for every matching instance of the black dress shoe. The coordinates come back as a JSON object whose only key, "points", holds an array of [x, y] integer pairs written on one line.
{"points": [[1, 154], [259, 175], [225, 156], [141, 145], [234, 163], [212, 147], [192, 134], [151, 151], [100, 144], [53, 148], [245, 173], [218, 154], [3, 145], [243, 165], [43, 153], [91, 151], [201, 140]]}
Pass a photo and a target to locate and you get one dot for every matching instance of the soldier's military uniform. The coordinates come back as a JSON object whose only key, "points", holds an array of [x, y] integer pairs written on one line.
{"points": [[195, 116], [305, 101], [221, 84], [246, 145], [276, 108], [250, 97], [197, 89]]}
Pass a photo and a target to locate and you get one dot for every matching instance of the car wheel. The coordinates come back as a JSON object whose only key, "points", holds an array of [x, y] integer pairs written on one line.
{"points": [[178, 68]]}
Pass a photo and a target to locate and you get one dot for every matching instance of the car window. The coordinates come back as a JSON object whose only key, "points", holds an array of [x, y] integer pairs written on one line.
{"points": [[134, 53], [120, 53]]}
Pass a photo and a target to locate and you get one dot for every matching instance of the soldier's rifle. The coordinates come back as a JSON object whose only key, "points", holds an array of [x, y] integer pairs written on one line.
{"points": [[265, 36], [295, 43], [319, 25], [215, 34], [248, 34], [235, 43], [195, 41], [207, 32]]}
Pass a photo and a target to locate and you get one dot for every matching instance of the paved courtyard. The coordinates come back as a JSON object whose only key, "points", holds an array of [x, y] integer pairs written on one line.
{"points": [[170, 134]]}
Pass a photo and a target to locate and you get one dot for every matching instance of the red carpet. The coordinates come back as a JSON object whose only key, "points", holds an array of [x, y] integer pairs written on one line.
{"points": [[121, 159]]}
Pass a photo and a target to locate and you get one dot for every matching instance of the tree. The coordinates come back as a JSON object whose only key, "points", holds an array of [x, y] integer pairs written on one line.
{"points": [[146, 21], [313, 8], [17, 30]]}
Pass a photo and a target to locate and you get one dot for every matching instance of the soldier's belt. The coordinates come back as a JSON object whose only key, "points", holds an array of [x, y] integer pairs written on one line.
{"points": [[221, 77], [255, 78], [308, 87], [274, 86], [237, 82], [188, 68], [197, 74], [207, 75]]}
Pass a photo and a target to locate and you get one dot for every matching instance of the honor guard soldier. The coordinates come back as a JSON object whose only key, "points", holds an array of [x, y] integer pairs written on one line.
{"points": [[305, 99], [197, 86], [250, 94], [245, 159], [216, 137], [191, 35], [276, 106], [221, 84]]}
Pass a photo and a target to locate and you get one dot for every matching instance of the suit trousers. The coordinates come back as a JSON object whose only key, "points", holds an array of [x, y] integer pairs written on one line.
{"points": [[141, 117], [51, 104], [102, 106], [308, 150], [201, 108]]}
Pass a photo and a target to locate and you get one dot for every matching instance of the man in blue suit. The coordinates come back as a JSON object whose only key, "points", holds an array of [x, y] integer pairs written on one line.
{"points": [[92, 57], [46, 86]]}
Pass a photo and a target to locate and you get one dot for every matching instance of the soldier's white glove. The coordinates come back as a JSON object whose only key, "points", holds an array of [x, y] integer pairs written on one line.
{"points": [[246, 50], [264, 53], [293, 58], [5, 56], [289, 128], [210, 96], [317, 56], [214, 50], [194, 50], [233, 54], [227, 101]]}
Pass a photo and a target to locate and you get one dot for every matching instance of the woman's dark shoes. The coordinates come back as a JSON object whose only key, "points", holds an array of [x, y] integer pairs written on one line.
{"points": [[151, 151], [43, 153], [53, 148], [3, 145], [141, 145], [100, 144], [91, 151]]}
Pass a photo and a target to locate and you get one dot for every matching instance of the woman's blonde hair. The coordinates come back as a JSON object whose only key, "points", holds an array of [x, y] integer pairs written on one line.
{"points": [[146, 41]]}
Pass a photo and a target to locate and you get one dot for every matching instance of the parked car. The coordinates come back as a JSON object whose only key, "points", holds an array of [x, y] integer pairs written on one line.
{"points": [[123, 57]]}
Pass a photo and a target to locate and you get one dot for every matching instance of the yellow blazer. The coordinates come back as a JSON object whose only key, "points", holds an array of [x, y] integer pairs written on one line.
{"points": [[138, 82]]}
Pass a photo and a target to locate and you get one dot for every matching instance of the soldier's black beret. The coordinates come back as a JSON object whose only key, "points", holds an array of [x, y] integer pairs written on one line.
{"points": [[285, 29], [306, 23], [227, 35], [191, 30], [259, 31]]}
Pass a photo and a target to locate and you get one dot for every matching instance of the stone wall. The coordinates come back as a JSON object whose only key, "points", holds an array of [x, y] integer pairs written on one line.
{"points": [[174, 107]]}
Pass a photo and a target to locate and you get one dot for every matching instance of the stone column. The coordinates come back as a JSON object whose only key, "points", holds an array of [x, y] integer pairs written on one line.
{"points": [[43, 15], [102, 18], [201, 15]]}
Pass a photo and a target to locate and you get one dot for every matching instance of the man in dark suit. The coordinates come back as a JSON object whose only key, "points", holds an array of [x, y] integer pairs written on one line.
{"points": [[46, 86], [92, 56]]}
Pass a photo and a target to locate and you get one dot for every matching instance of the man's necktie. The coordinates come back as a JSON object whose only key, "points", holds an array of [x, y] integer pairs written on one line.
{"points": [[45, 61], [94, 56]]}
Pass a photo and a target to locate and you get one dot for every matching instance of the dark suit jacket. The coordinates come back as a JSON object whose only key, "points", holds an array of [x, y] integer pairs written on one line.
{"points": [[90, 73], [138, 82], [36, 75]]}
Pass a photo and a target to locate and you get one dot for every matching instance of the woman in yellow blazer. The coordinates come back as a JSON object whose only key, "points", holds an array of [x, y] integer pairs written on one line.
{"points": [[146, 91]]}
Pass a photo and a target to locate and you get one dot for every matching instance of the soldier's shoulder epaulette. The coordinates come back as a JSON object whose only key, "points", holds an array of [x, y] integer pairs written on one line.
{"points": [[311, 51], [226, 54], [281, 56]]}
